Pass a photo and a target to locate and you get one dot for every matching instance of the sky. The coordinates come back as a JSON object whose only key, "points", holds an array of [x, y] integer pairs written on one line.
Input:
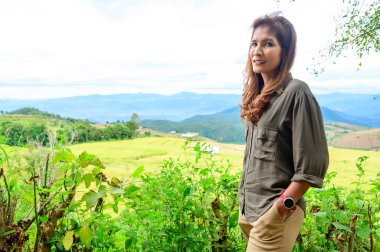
{"points": [[52, 48]]}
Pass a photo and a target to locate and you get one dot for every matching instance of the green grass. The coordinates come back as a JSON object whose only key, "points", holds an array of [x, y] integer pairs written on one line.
{"points": [[123, 157]]}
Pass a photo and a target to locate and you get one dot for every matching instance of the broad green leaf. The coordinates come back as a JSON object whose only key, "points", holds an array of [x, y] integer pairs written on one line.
{"points": [[88, 178], [86, 159], [68, 239], [131, 189], [96, 171], [342, 227], [132, 235], [102, 191], [363, 231], [128, 243], [137, 172], [233, 220], [115, 182], [65, 156], [117, 191], [91, 198], [85, 235]]}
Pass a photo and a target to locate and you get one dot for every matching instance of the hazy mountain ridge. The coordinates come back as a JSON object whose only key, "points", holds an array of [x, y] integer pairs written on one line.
{"points": [[101, 108], [360, 109]]}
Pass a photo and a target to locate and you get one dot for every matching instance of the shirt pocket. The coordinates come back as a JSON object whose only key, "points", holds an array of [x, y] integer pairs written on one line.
{"points": [[265, 144]]}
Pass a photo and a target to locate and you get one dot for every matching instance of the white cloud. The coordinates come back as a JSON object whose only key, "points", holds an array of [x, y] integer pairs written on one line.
{"points": [[55, 48]]}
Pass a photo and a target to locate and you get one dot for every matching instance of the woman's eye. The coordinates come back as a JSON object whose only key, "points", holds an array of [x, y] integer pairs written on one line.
{"points": [[253, 44], [268, 44]]}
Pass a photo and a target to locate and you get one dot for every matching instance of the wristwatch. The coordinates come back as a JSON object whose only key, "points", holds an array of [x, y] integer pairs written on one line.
{"points": [[288, 202]]}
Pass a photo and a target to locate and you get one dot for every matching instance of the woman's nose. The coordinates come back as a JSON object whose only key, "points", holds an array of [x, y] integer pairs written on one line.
{"points": [[256, 50]]}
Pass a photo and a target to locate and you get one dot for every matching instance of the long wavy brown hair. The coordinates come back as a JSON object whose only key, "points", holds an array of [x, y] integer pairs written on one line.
{"points": [[255, 97]]}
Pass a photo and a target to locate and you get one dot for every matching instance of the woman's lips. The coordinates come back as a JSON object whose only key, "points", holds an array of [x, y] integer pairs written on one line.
{"points": [[258, 62]]}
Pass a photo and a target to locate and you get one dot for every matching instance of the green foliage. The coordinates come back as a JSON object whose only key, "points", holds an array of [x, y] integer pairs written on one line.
{"points": [[343, 218], [185, 206], [17, 134], [21, 132], [357, 28], [34, 112]]}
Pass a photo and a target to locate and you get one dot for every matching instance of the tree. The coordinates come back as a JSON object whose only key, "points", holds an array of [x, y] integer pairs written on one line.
{"points": [[135, 118], [358, 29]]}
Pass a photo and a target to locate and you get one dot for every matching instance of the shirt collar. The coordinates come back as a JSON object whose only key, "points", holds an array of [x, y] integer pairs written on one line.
{"points": [[281, 88]]}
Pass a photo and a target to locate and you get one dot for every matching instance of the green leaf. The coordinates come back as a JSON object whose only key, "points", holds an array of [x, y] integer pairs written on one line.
{"points": [[85, 235], [68, 239], [102, 191], [96, 171], [65, 156], [115, 208], [115, 182], [86, 159], [204, 171], [131, 189], [117, 191], [137, 172], [342, 227], [7, 233], [128, 243], [186, 192], [91, 198], [88, 178], [43, 218], [233, 220], [132, 235]]}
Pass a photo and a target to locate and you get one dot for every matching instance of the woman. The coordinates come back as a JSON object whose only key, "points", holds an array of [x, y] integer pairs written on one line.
{"points": [[286, 150]]}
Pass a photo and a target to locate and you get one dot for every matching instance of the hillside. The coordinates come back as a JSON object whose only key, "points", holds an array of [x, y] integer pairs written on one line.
{"points": [[364, 139], [226, 126]]}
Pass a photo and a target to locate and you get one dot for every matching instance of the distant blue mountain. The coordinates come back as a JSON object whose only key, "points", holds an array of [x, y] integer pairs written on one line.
{"points": [[101, 108], [359, 109], [336, 116], [357, 105]]}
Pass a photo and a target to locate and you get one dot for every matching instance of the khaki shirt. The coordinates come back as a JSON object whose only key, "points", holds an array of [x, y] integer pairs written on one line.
{"points": [[288, 144]]}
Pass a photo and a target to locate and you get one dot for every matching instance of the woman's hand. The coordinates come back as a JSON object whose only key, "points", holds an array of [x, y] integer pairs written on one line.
{"points": [[282, 210]]}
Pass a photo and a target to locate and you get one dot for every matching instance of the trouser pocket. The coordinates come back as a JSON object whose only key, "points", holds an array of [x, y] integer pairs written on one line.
{"points": [[269, 226]]}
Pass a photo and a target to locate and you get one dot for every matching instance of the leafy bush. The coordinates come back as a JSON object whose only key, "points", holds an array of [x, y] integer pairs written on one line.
{"points": [[54, 200]]}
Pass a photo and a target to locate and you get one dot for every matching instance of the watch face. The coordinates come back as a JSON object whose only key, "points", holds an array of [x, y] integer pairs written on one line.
{"points": [[288, 203]]}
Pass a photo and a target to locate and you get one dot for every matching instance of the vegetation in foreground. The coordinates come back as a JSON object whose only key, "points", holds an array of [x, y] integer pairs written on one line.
{"points": [[122, 157], [54, 200]]}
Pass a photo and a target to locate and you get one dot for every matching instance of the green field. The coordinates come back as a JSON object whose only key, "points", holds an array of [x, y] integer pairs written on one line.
{"points": [[123, 157]]}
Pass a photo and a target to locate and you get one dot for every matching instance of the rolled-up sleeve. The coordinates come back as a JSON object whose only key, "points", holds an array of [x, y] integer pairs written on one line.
{"points": [[310, 152]]}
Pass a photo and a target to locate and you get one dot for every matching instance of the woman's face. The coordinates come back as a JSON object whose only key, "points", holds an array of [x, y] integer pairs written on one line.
{"points": [[265, 53]]}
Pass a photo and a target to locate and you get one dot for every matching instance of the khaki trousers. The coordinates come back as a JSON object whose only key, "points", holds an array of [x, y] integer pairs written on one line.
{"points": [[270, 232]]}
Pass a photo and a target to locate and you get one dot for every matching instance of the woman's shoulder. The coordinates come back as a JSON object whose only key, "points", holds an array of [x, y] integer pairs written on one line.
{"points": [[296, 86]]}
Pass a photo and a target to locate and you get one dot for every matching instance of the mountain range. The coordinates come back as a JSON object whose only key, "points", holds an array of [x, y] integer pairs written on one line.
{"points": [[189, 108]]}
